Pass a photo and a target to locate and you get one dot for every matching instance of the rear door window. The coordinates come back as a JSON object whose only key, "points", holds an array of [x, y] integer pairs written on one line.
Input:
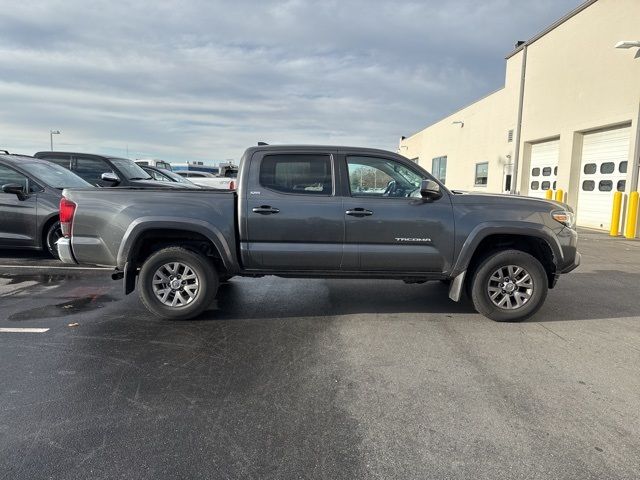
{"points": [[62, 160], [297, 174]]}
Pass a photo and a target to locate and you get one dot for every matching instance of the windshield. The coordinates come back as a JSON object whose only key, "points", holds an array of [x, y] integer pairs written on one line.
{"points": [[130, 169], [174, 176], [54, 175]]}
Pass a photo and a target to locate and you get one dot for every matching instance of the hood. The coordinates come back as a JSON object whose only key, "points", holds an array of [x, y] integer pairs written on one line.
{"points": [[498, 199]]}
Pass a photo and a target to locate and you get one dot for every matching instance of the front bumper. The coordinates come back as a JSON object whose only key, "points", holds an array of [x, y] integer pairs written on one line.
{"points": [[64, 251], [573, 265]]}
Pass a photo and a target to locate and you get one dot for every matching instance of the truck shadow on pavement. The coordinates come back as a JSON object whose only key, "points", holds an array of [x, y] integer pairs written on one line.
{"points": [[294, 298], [598, 294]]}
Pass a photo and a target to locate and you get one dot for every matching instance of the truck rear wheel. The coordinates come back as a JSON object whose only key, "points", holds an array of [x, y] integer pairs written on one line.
{"points": [[177, 283], [509, 286]]}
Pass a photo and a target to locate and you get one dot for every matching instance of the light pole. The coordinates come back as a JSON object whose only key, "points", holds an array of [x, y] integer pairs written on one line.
{"points": [[51, 134]]}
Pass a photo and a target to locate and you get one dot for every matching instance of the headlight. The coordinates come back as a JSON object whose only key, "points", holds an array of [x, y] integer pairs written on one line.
{"points": [[564, 217]]}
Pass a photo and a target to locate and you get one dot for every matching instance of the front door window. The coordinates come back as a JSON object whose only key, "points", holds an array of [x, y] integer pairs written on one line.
{"points": [[380, 177]]}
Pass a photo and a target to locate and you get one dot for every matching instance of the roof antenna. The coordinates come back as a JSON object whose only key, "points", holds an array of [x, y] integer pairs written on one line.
{"points": [[262, 144]]}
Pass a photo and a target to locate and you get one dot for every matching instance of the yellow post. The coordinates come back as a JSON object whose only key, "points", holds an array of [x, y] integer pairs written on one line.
{"points": [[549, 194], [559, 195], [632, 216], [615, 214]]}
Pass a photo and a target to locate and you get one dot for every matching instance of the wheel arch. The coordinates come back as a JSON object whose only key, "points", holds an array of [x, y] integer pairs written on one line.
{"points": [[144, 236], [537, 240], [47, 222]]}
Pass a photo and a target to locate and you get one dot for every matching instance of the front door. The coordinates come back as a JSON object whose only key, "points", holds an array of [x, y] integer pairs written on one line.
{"points": [[389, 227], [294, 219], [18, 224]]}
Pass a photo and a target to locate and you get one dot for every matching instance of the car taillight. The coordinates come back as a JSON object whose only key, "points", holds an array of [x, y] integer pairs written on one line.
{"points": [[232, 185], [67, 209]]}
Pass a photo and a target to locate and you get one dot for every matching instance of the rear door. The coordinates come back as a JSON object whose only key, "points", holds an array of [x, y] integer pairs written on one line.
{"points": [[389, 227], [18, 217], [294, 218]]}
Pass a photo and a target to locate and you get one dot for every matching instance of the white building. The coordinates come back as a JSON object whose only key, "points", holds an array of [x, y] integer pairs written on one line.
{"points": [[567, 117]]}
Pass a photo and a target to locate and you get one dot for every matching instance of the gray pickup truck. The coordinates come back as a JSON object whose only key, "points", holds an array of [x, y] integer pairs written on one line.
{"points": [[317, 211]]}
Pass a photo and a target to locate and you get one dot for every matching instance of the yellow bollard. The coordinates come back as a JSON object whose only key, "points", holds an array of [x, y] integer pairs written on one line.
{"points": [[559, 195], [615, 214], [632, 216], [548, 194]]}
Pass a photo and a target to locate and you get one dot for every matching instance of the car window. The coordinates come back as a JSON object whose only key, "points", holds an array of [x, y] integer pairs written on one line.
{"points": [[54, 175], [130, 169], [62, 160], [381, 177], [91, 169], [9, 175], [299, 174], [156, 175], [176, 178]]}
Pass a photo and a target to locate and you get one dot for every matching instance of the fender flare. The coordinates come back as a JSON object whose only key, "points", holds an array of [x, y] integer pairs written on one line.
{"points": [[526, 229], [143, 224]]}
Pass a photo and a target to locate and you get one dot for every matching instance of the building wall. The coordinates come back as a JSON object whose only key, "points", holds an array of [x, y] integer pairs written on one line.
{"points": [[576, 82]]}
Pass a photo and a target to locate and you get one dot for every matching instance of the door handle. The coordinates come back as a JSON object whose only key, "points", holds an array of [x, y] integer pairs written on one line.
{"points": [[265, 210], [359, 212]]}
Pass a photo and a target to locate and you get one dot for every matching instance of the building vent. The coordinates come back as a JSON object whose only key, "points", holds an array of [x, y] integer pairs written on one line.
{"points": [[510, 135]]}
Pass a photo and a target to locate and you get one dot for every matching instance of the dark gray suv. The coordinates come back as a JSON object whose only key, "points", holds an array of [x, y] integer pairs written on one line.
{"points": [[30, 192]]}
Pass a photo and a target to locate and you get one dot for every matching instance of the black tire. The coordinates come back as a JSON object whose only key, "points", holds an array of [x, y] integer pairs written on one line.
{"points": [[205, 276], [51, 236], [482, 281]]}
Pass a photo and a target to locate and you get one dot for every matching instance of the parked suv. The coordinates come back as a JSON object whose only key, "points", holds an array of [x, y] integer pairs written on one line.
{"points": [[30, 192], [103, 171]]}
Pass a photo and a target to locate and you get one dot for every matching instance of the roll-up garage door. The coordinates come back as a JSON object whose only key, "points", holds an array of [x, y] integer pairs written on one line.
{"points": [[603, 172], [544, 167]]}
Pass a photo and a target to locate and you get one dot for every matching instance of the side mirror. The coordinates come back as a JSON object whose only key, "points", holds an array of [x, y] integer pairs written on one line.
{"points": [[430, 190], [110, 177], [16, 189]]}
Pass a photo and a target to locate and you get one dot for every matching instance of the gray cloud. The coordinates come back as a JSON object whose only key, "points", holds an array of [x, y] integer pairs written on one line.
{"points": [[205, 79]]}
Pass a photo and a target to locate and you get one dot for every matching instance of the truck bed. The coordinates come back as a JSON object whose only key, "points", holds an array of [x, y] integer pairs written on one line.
{"points": [[115, 215]]}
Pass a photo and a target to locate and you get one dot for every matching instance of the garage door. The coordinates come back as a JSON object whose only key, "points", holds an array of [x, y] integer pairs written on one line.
{"points": [[544, 167], [604, 169]]}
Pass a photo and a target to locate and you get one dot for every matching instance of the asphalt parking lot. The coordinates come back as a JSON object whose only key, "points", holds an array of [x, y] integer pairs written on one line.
{"points": [[290, 378]]}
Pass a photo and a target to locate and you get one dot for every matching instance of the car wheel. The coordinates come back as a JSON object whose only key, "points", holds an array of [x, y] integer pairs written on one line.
{"points": [[508, 286], [52, 235], [177, 283]]}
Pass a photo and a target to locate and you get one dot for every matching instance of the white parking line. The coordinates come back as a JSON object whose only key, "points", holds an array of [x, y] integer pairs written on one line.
{"points": [[23, 330], [54, 267]]}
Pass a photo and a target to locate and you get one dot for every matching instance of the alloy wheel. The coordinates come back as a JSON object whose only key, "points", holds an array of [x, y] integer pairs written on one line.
{"points": [[176, 284], [510, 287]]}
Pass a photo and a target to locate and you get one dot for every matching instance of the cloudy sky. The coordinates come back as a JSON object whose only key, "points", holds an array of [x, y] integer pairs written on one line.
{"points": [[185, 80]]}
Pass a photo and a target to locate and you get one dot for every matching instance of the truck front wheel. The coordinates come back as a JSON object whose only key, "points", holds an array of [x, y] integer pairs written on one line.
{"points": [[177, 283], [508, 286]]}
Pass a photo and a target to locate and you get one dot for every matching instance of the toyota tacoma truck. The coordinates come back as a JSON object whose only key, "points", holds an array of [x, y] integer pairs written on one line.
{"points": [[317, 211]]}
